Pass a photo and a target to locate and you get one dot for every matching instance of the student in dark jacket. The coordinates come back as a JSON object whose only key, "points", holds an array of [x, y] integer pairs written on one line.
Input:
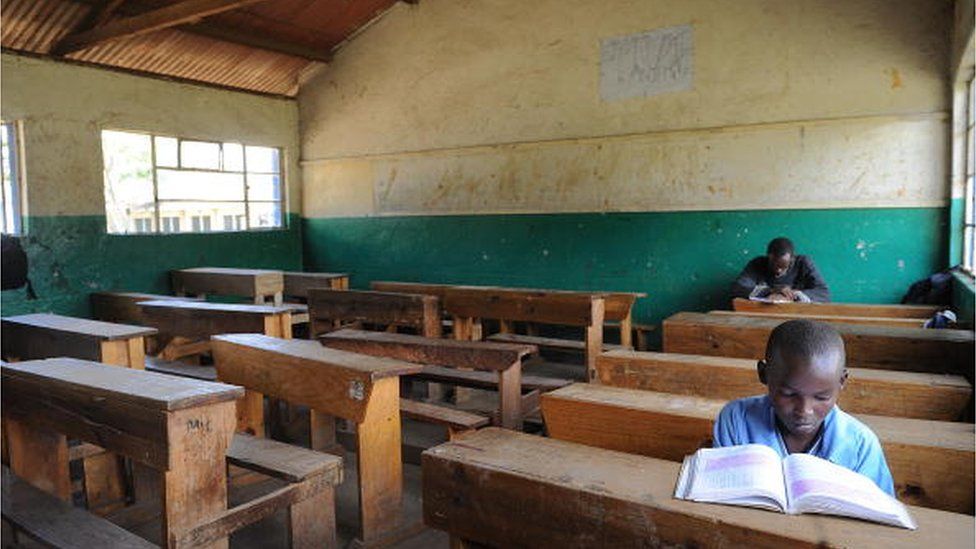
{"points": [[781, 275]]}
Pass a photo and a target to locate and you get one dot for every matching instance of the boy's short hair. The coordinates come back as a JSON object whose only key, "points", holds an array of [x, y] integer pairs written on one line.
{"points": [[805, 338], [778, 247]]}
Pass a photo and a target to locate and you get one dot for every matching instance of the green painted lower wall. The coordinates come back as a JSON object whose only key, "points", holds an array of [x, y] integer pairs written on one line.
{"points": [[684, 260], [72, 256]]}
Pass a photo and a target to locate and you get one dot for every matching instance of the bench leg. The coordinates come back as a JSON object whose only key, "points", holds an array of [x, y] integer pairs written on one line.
{"points": [[626, 333], [40, 457], [311, 522], [322, 433], [380, 464], [510, 396]]}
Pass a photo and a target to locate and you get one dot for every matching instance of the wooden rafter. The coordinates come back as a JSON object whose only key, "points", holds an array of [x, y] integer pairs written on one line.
{"points": [[225, 33], [188, 11]]}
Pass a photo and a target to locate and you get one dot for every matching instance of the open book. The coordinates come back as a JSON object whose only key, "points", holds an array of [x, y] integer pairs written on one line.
{"points": [[755, 476]]}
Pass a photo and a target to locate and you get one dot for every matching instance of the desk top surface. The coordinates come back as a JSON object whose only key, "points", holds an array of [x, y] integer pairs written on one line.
{"points": [[205, 306], [79, 326]]}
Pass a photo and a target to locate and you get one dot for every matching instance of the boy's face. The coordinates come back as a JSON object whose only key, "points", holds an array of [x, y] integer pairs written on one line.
{"points": [[779, 265], [803, 389]]}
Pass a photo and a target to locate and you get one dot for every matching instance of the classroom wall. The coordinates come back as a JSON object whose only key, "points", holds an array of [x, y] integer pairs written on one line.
{"points": [[63, 108], [469, 142]]}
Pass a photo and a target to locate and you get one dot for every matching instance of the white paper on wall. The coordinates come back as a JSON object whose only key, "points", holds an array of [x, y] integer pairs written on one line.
{"points": [[646, 64]]}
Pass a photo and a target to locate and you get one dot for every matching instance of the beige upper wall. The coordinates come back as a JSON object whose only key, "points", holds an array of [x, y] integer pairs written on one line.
{"points": [[461, 106], [64, 107]]}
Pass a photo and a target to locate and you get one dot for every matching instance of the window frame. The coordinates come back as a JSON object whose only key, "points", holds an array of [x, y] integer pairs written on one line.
{"points": [[17, 200], [969, 167], [156, 217]]}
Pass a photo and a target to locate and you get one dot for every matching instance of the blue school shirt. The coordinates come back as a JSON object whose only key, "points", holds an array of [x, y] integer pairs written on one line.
{"points": [[844, 440]]}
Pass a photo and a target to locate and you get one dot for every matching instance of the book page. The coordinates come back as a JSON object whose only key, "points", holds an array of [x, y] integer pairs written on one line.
{"points": [[738, 475], [815, 485]]}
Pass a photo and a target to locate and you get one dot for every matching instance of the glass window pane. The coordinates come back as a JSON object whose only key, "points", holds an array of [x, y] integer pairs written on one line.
{"points": [[188, 185], [264, 215], [166, 154], [128, 179], [233, 157], [262, 159], [263, 187], [200, 154], [198, 217]]}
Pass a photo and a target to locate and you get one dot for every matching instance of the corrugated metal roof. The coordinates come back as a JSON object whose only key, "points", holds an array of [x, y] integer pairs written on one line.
{"points": [[35, 26]]}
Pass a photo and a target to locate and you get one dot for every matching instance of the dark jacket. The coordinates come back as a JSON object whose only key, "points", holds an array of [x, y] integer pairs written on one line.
{"points": [[802, 275]]}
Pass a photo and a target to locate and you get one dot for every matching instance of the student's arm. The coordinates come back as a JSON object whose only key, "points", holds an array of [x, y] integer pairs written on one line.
{"points": [[872, 464], [750, 277], [811, 283]]}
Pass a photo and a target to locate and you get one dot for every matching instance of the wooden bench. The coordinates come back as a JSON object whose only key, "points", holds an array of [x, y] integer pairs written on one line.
{"points": [[939, 397], [832, 319], [124, 306], [332, 383], [457, 422], [932, 462], [502, 361], [501, 488], [177, 430], [39, 336], [255, 284], [910, 349], [838, 309], [618, 306], [297, 284], [329, 309], [56, 523], [186, 326]]}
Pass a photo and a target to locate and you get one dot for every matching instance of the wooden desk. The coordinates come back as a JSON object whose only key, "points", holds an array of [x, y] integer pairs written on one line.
{"points": [[297, 284], [831, 319], [256, 284], [178, 427], [333, 383], [330, 308], [506, 489], [35, 336], [838, 309], [941, 397], [124, 306], [504, 359], [910, 349], [198, 320], [618, 306], [932, 462]]}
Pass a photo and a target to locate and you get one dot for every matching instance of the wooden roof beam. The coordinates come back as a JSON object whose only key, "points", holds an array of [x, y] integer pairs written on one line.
{"points": [[188, 11]]}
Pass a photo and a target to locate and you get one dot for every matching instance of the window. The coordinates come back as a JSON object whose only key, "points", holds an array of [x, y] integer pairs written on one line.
{"points": [[185, 185], [970, 161], [10, 169]]}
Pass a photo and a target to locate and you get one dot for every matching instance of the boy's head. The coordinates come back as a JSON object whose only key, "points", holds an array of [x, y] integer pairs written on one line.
{"points": [[779, 254], [804, 372]]}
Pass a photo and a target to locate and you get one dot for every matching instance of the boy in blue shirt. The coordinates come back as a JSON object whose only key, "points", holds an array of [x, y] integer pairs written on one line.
{"points": [[804, 372]]}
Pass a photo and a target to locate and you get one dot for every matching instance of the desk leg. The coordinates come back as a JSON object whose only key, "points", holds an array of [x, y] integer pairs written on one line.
{"points": [[311, 522], [40, 457], [323, 433], [250, 413], [594, 339], [510, 396], [626, 332], [195, 486], [380, 464], [278, 325]]}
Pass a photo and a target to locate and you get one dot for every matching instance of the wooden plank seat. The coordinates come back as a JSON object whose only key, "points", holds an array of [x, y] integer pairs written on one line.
{"points": [[56, 523], [176, 432], [124, 306], [255, 284], [831, 319], [502, 363], [838, 309], [457, 422], [551, 343], [501, 488], [362, 389], [932, 462], [185, 327], [329, 309], [182, 369], [940, 397], [885, 347], [618, 306]]}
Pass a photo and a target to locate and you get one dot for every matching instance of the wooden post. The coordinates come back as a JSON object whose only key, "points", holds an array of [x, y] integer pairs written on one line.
{"points": [[311, 522], [626, 331], [380, 472], [323, 433], [195, 486], [39, 456], [594, 338], [510, 396]]}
